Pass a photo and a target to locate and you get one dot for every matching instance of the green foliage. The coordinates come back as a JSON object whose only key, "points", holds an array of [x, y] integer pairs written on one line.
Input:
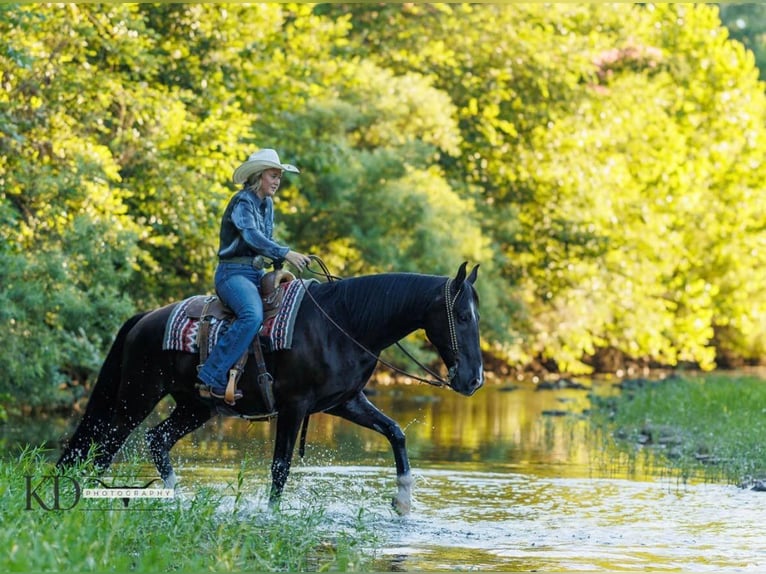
{"points": [[608, 146], [68, 243], [58, 312], [602, 163]]}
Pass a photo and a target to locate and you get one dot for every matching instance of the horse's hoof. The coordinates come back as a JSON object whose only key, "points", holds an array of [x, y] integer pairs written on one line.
{"points": [[274, 505], [171, 481], [401, 508], [402, 502]]}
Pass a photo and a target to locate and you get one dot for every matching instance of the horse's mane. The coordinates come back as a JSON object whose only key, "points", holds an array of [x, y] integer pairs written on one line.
{"points": [[370, 297]]}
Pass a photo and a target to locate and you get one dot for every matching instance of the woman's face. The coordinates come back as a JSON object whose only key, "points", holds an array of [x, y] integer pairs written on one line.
{"points": [[270, 180]]}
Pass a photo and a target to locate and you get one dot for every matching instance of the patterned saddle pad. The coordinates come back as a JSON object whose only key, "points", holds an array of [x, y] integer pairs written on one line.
{"points": [[276, 334]]}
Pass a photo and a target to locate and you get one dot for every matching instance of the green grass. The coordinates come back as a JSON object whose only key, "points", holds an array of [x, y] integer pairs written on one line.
{"points": [[207, 530], [709, 427]]}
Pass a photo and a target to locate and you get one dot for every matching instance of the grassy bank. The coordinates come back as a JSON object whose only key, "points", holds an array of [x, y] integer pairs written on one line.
{"points": [[709, 427], [207, 530]]}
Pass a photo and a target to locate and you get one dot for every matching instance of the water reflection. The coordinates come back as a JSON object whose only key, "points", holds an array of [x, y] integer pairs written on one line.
{"points": [[495, 429], [500, 427]]}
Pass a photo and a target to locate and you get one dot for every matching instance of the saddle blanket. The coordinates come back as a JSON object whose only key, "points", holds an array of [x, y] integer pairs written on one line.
{"points": [[276, 333]]}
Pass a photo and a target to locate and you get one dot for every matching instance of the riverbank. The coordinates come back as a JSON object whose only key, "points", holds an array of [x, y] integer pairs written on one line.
{"points": [[705, 427]]}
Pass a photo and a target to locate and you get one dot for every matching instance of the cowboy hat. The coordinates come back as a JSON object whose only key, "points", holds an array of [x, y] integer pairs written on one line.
{"points": [[259, 161]]}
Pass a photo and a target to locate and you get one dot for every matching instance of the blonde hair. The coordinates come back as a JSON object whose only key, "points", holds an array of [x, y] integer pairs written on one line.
{"points": [[254, 182]]}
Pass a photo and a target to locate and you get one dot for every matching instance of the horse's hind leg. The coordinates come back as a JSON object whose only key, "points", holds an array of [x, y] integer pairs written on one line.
{"points": [[362, 412], [188, 415], [133, 406], [288, 425], [119, 431]]}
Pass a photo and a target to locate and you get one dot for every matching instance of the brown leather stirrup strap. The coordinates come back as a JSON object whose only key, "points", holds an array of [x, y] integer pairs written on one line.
{"points": [[265, 380]]}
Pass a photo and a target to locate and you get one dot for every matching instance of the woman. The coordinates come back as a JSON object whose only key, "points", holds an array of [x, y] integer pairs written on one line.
{"points": [[245, 239]]}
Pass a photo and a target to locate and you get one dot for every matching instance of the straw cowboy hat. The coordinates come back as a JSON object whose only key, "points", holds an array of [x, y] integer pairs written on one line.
{"points": [[259, 161]]}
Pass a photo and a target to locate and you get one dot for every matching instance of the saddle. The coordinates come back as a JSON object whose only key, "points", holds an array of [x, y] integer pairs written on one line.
{"points": [[213, 308]]}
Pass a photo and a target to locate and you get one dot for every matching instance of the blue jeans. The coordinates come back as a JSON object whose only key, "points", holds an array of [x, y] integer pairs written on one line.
{"points": [[238, 288]]}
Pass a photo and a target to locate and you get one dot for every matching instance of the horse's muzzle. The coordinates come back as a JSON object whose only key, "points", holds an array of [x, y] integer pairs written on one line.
{"points": [[472, 383], [475, 384]]}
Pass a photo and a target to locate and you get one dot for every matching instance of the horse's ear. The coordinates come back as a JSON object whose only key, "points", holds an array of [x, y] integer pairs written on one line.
{"points": [[473, 274], [460, 277]]}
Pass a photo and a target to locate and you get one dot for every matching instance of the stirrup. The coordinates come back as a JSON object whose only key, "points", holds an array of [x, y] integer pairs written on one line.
{"points": [[232, 393], [207, 393]]}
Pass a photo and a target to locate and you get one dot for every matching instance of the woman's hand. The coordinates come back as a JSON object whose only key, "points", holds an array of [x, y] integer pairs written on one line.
{"points": [[297, 260]]}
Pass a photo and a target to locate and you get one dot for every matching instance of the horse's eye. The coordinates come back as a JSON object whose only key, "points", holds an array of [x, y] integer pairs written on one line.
{"points": [[463, 316]]}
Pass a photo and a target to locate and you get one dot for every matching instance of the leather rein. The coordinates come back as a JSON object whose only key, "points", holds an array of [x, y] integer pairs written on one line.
{"points": [[438, 380]]}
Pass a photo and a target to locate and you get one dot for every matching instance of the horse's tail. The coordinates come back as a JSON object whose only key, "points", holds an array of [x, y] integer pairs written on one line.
{"points": [[101, 404]]}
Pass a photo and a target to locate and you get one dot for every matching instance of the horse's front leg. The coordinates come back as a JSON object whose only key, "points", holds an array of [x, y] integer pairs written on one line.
{"points": [[188, 415], [288, 425], [361, 411]]}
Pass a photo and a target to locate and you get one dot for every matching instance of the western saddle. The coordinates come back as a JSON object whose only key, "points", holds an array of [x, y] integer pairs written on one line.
{"points": [[212, 308]]}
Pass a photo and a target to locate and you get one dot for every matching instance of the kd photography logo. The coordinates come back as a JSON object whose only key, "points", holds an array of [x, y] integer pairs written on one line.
{"points": [[59, 492]]}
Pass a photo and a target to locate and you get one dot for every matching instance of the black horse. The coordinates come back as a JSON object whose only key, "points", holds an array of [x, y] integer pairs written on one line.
{"points": [[341, 328]]}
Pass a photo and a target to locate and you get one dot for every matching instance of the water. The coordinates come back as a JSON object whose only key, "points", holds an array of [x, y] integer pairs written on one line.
{"points": [[512, 479], [519, 522]]}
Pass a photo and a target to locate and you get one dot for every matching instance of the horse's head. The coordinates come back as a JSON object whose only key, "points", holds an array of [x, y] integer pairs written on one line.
{"points": [[452, 325]]}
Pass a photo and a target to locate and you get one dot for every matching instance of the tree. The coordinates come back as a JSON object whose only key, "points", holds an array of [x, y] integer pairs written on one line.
{"points": [[68, 246], [601, 146], [602, 163]]}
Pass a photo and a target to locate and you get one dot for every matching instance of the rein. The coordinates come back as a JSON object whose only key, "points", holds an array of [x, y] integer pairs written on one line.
{"points": [[438, 380]]}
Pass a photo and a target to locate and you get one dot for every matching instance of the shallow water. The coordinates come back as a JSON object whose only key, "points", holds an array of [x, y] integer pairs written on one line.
{"points": [[521, 522], [512, 479]]}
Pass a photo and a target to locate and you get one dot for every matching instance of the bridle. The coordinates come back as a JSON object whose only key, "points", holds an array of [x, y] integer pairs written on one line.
{"points": [[449, 301], [454, 346]]}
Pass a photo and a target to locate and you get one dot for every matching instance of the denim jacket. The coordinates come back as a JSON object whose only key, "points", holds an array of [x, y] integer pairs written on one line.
{"points": [[247, 228]]}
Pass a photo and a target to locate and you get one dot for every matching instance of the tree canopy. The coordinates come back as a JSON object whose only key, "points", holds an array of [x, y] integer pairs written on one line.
{"points": [[603, 163]]}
